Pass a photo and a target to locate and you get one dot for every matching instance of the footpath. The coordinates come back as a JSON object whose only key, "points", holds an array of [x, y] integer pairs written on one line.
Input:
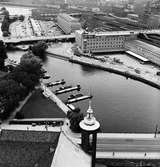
{"points": [[55, 99]]}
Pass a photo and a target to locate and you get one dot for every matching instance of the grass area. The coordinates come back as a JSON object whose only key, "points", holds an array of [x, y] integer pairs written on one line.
{"points": [[26, 154], [40, 107]]}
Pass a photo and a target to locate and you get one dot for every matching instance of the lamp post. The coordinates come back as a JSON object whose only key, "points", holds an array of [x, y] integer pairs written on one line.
{"points": [[89, 126]]}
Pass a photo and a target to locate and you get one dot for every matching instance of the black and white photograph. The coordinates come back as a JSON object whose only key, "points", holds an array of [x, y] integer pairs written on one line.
{"points": [[79, 83]]}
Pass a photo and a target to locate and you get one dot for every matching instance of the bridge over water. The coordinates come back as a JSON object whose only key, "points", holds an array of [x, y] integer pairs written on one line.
{"points": [[33, 39], [128, 146], [131, 146]]}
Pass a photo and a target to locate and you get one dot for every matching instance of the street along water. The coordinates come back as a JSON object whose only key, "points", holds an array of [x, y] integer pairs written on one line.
{"points": [[120, 104]]}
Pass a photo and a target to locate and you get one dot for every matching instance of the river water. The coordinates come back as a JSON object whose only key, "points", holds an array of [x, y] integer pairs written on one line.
{"points": [[120, 104]]}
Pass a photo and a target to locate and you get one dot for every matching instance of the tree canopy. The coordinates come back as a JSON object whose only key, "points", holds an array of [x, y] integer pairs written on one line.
{"points": [[3, 54], [5, 23], [39, 49], [18, 83], [75, 117]]}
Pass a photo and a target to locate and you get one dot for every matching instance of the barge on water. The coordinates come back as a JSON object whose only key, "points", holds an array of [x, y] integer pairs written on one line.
{"points": [[77, 99], [60, 82], [46, 76], [66, 89], [74, 96]]}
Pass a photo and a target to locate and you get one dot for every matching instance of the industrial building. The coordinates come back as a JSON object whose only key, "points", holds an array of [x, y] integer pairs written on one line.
{"points": [[67, 23], [148, 51], [93, 42], [45, 13]]}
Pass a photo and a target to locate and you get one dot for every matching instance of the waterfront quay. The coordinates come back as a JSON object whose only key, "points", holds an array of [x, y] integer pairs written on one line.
{"points": [[128, 68], [121, 70]]}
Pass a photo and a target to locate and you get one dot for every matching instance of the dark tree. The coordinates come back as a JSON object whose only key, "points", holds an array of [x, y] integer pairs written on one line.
{"points": [[15, 86], [32, 65], [3, 54], [5, 22], [1, 63], [9, 89], [74, 122], [39, 49], [75, 118]]}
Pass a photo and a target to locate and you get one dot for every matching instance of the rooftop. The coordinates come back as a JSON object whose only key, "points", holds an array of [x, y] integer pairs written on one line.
{"points": [[68, 17], [145, 45], [107, 33]]}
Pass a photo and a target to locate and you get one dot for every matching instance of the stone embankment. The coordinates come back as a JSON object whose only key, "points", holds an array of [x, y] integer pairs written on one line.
{"points": [[114, 69], [120, 69]]}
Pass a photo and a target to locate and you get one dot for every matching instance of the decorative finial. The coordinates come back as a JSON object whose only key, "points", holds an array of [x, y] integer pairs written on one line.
{"points": [[89, 119], [89, 123], [90, 110]]}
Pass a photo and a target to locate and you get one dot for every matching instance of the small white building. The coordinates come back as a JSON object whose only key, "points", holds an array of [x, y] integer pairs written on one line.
{"points": [[67, 23], [104, 41]]}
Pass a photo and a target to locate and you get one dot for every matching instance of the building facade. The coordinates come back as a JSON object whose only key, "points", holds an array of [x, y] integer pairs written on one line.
{"points": [[67, 23], [103, 42], [148, 51], [45, 13]]}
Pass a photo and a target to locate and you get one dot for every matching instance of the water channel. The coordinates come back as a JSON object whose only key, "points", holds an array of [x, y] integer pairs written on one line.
{"points": [[120, 104]]}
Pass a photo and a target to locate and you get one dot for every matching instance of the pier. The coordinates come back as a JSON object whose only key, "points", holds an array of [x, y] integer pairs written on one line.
{"points": [[69, 89], [49, 94], [60, 82], [77, 99]]}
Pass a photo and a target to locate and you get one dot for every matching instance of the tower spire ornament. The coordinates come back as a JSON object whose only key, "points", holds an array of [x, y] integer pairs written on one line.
{"points": [[89, 126], [89, 119]]}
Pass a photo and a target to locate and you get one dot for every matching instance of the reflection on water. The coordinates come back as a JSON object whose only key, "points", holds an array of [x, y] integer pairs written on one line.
{"points": [[88, 70]]}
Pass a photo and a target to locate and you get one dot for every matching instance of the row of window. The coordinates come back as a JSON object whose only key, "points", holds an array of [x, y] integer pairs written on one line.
{"points": [[106, 38], [105, 43], [106, 46]]}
